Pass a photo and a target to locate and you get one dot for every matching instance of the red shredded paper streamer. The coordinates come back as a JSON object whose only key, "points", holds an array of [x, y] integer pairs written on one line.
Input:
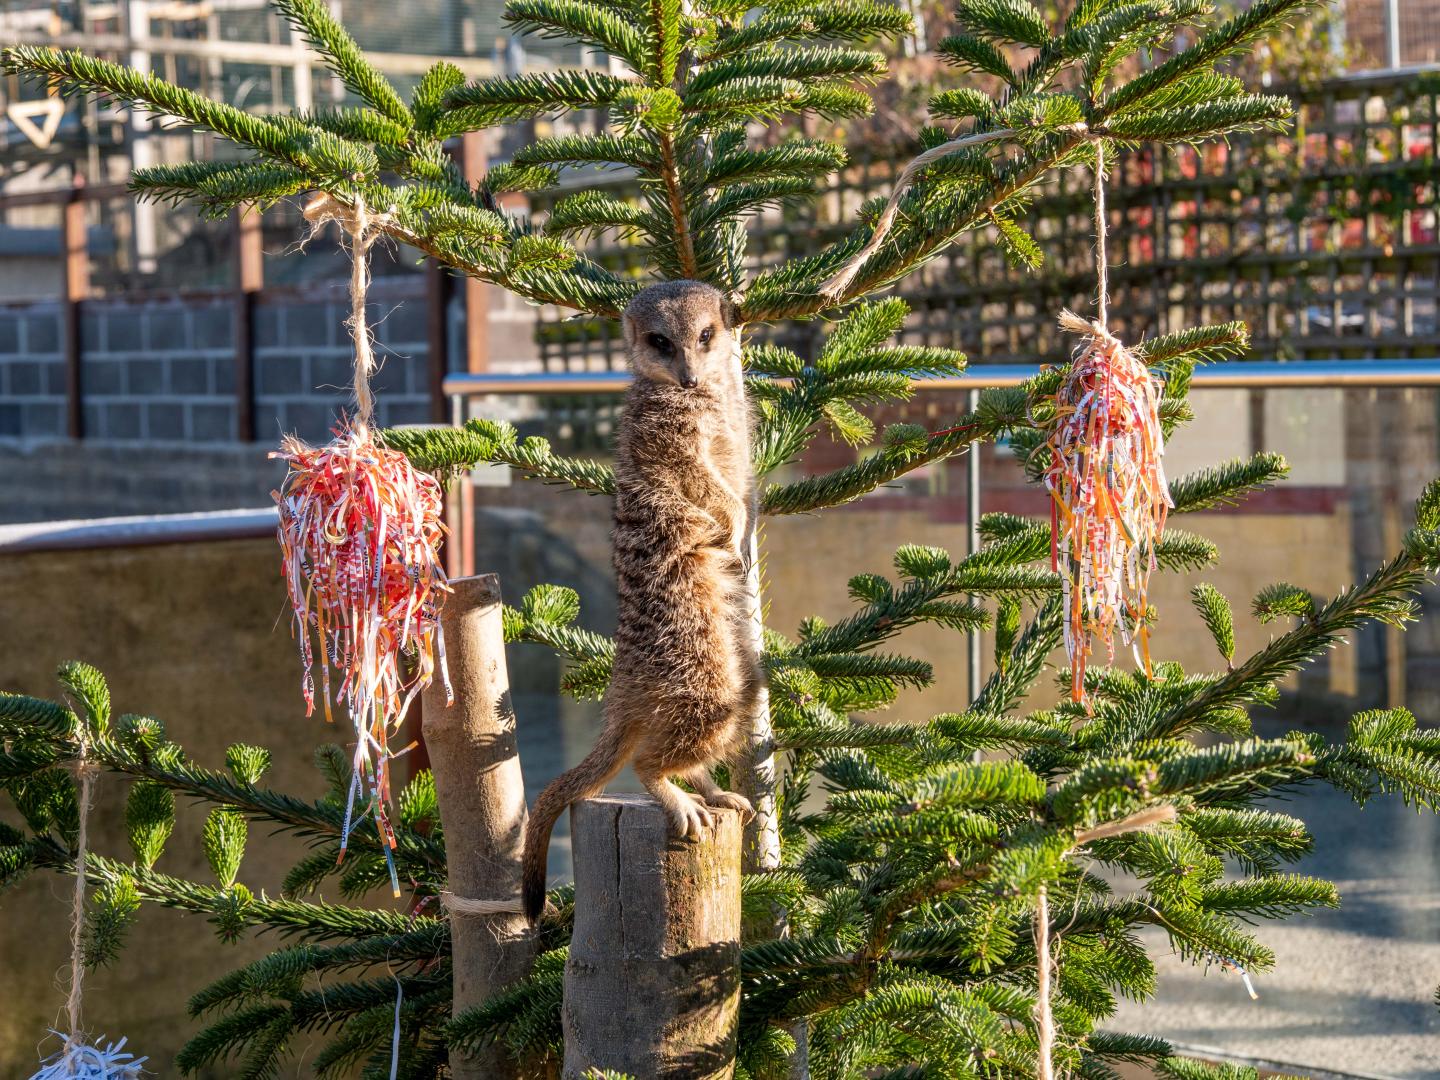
{"points": [[360, 532], [1110, 497]]}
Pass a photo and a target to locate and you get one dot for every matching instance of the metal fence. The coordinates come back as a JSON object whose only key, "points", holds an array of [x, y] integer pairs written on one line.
{"points": [[1324, 239]]}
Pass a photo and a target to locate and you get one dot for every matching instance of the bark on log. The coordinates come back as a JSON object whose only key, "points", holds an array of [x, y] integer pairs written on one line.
{"points": [[652, 984], [481, 792]]}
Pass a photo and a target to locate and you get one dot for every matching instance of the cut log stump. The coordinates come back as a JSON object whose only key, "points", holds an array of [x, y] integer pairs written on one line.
{"points": [[652, 984]]}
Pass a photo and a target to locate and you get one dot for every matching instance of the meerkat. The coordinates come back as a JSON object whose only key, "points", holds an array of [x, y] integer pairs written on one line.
{"points": [[686, 672]]}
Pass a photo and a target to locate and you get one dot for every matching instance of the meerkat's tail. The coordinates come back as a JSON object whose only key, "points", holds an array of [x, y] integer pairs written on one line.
{"points": [[607, 758]]}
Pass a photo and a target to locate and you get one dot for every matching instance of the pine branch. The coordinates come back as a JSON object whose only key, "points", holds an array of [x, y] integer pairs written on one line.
{"points": [[579, 21], [344, 57], [503, 99], [1204, 344], [312, 151], [852, 21], [1226, 484], [1260, 18], [221, 186], [1201, 121], [447, 450], [317, 922], [908, 449], [1381, 596]]}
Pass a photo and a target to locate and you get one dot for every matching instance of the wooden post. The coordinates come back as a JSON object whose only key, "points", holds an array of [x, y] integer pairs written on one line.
{"points": [[76, 256], [474, 161], [249, 280], [482, 803], [652, 984], [437, 337]]}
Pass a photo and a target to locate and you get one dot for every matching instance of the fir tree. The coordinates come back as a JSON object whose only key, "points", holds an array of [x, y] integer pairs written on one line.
{"points": [[911, 889]]}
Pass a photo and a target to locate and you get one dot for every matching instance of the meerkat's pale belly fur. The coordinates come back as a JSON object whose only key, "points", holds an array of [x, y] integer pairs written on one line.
{"points": [[685, 670], [686, 673]]}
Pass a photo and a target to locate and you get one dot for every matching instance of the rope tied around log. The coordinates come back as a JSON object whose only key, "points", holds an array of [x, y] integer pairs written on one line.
{"points": [[466, 907]]}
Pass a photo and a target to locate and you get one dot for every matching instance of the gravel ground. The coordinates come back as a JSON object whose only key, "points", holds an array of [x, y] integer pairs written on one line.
{"points": [[1353, 990]]}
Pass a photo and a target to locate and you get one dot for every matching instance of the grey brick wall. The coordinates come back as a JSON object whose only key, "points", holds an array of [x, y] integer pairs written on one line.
{"points": [[32, 373], [158, 388], [304, 365], [66, 478], [163, 371], [158, 372]]}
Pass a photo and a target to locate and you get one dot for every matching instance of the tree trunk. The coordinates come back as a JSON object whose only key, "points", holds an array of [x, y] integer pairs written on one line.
{"points": [[482, 805], [652, 985], [756, 777]]}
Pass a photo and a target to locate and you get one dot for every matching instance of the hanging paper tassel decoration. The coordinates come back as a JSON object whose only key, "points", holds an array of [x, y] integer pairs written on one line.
{"points": [[1109, 496], [80, 1061], [360, 531], [1106, 480]]}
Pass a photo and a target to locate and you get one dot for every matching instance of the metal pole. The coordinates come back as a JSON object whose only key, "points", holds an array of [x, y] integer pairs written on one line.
{"points": [[972, 520], [1392, 32]]}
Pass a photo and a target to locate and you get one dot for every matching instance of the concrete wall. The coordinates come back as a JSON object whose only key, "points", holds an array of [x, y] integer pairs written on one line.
{"points": [[193, 635]]}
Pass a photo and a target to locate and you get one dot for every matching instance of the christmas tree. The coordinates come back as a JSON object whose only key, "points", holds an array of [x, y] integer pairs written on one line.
{"points": [[919, 893]]}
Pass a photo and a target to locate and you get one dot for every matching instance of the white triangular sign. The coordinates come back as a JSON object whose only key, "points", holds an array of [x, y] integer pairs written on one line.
{"points": [[23, 114]]}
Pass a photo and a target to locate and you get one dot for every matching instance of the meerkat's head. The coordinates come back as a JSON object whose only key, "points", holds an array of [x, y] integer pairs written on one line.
{"points": [[681, 332]]}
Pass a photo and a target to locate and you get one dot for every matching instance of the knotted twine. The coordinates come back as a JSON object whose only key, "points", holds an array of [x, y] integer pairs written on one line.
{"points": [[363, 229], [77, 1059], [360, 532]]}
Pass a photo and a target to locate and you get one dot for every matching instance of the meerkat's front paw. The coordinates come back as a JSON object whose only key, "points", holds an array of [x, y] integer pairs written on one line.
{"points": [[689, 817], [732, 801]]}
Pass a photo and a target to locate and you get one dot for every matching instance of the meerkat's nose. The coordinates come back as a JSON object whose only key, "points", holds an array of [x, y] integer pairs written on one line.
{"points": [[689, 382]]}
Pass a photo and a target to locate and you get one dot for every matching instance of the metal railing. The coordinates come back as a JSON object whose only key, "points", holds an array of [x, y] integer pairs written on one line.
{"points": [[1243, 374], [1254, 375]]}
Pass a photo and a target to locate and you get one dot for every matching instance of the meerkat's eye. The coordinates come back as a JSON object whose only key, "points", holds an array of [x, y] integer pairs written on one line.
{"points": [[705, 335], [660, 343]]}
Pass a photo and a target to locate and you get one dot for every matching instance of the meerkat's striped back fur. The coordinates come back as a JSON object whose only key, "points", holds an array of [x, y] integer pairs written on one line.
{"points": [[686, 673]]}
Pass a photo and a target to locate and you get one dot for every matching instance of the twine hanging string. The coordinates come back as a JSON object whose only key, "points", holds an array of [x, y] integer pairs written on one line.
{"points": [[1044, 939], [363, 228], [85, 773], [77, 1057], [1102, 258], [1044, 1021]]}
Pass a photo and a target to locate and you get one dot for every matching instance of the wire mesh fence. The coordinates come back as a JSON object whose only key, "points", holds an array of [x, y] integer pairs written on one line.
{"points": [[1322, 238]]}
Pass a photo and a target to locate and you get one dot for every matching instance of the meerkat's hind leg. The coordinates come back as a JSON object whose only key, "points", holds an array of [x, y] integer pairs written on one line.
{"points": [[715, 795], [687, 814]]}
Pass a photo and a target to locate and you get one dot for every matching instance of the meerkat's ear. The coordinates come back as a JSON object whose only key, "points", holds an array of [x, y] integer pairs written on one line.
{"points": [[730, 312], [629, 329]]}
